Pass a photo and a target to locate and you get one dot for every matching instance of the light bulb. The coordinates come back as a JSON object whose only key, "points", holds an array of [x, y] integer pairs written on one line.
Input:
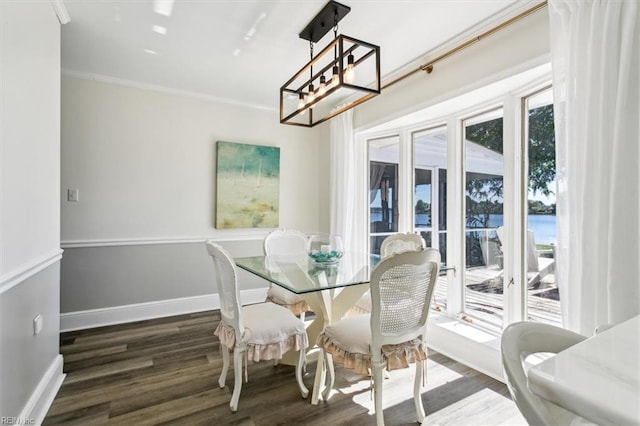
{"points": [[301, 103], [312, 94], [349, 73], [335, 79], [322, 90]]}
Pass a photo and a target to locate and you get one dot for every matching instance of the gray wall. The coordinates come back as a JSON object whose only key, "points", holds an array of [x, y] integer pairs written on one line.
{"points": [[30, 207], [109, 276], [25, 358]]}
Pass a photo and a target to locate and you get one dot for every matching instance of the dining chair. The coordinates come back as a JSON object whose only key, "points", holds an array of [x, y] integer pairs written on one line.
{"points": [[519, 340], [264, 331], [285, 242], [395, 243], [399, 242], [393, 335]]}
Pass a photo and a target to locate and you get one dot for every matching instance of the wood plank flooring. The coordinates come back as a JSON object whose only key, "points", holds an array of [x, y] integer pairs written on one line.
{"points": [[165, 371]]}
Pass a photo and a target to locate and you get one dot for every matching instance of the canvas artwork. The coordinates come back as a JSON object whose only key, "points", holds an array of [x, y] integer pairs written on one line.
{"points": [[247, 186]]}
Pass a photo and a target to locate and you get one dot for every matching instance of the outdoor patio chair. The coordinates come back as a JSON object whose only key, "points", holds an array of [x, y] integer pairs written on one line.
{"points": [[537, 266], [264, 331], [393, 335]]}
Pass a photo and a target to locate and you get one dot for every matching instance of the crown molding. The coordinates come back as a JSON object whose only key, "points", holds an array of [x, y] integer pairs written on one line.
{"points": [[161, 89], [61, 11]]}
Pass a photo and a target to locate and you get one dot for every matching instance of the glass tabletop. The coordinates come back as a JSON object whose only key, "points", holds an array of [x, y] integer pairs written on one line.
{"points": [[300, 274]]}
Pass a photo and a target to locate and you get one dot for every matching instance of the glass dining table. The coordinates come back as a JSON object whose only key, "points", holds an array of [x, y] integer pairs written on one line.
{"points": [[329, 289]]}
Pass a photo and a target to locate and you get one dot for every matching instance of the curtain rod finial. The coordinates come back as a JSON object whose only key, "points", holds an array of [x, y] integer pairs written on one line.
{"points": [[427, 68]]}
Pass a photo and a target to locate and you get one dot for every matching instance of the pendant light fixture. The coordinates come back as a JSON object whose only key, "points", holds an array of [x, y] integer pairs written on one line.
{"points": [[344, 74]]}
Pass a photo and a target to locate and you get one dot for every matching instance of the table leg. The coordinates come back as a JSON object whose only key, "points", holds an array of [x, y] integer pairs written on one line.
{"points": [[318, 379], [328, 305]]}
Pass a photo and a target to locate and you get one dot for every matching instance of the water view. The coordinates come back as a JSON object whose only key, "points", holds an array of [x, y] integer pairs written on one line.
{"points": [[542, 225]]}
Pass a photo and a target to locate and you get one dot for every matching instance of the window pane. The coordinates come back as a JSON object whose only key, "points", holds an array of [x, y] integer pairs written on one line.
{"points": [[383, 189], [430, 195], [483, 291], [543, 299], [422, 198]]}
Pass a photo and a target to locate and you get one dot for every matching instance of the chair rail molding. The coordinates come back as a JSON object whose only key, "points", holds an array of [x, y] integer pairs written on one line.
{"points": [[13, 278], [69, 244]]}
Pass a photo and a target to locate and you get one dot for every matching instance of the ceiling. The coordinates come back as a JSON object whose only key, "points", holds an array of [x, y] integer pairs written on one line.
{"points": [[243, 51]]}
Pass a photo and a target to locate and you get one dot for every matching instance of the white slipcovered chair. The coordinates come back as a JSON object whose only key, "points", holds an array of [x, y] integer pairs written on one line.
{"points": [[519, 340], [264, 331], [395, 243], [286, 242], [393, 335]]}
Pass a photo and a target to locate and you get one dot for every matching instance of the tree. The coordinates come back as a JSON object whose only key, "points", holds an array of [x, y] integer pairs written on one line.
{"points": [[542, 162], [422, 207], [542, 149], [484, 193]]}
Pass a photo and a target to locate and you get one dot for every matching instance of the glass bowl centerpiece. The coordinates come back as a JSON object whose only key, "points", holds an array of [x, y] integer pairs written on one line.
{"points": [[325, 249]]}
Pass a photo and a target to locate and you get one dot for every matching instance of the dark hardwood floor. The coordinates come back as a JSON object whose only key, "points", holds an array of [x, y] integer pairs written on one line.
{"points": [[165, 371]]}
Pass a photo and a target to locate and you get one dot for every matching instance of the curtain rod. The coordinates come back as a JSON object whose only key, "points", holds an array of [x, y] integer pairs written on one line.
{"points": [[428, 67]]}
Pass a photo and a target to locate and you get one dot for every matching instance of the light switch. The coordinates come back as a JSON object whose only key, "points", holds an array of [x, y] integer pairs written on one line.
{"points": [[73, 195], [37, 324]]}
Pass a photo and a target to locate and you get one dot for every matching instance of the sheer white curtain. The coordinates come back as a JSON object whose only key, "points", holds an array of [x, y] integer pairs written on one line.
{"points": [[347, 184], [595, 48]]}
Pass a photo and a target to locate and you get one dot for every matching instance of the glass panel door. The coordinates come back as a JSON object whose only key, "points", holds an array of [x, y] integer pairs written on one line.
{"points": [[543, 298], [483, 180], [422, 206], [430, 196], [383, 190]]}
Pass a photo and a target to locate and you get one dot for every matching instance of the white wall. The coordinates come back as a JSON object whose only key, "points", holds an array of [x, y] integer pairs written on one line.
{"points": [[30, 365], [516, 48], [144, 164]]}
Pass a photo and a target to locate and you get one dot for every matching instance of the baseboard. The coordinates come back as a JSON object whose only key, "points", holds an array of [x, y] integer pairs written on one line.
{"points": [[43, 395], [81, 320]]}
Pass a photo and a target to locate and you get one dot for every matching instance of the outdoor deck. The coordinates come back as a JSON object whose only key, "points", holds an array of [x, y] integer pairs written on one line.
{"points": [[484, 298]]}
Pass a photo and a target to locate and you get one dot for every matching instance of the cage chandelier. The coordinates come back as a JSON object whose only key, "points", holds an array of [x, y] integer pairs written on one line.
{"points": [[344, 74]]}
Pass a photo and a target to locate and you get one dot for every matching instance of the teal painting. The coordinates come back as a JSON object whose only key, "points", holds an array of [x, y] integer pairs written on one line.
{"points": [[247, 185]]}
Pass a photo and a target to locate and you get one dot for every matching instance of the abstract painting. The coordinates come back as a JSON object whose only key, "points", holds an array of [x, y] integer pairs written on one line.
{"points": [[247, 186]]}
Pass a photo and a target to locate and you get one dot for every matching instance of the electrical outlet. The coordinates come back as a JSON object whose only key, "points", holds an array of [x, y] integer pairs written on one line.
{"points": [[38, 323]]}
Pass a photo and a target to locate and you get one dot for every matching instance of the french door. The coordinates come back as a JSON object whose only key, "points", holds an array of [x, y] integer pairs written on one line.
{"points": [[479, 187]]}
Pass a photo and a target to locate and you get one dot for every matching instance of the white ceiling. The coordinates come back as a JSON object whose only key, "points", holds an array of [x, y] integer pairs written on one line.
{"points": [[243, 51]]}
